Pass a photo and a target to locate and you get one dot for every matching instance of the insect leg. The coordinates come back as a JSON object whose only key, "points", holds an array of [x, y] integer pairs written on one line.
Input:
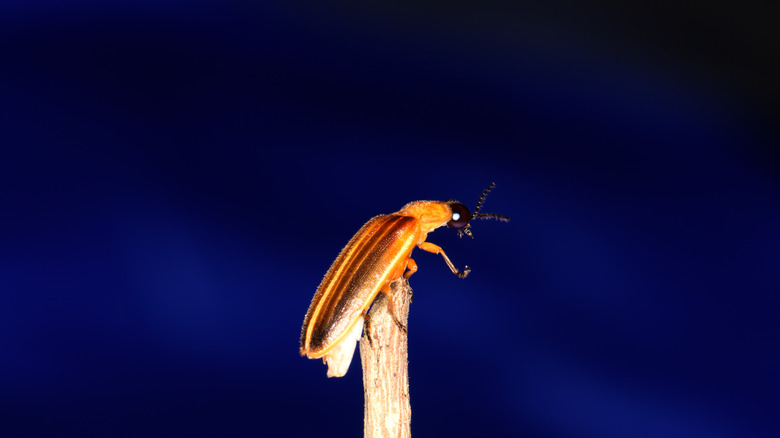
{"points": [[411, 265], [367, 328], [430, 247], [388, 292]]}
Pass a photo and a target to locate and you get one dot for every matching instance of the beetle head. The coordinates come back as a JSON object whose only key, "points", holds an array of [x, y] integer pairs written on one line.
{"points": [[461, 217]]}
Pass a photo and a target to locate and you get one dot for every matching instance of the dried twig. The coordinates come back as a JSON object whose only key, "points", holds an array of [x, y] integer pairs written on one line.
{"points": [[385, 366]]}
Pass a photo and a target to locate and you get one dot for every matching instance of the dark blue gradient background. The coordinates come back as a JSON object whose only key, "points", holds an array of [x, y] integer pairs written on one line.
{"points": [[176, 177]]}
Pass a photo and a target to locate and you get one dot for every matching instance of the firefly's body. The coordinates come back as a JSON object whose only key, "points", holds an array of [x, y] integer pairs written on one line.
{"points": [[366, 266], [377, 255]]}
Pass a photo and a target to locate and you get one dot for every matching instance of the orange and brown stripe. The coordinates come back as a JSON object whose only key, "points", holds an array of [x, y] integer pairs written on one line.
{"points": [[355, 278]]}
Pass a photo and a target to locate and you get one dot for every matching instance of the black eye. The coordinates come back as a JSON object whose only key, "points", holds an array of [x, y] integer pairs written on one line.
{"points": [[460, 216]]}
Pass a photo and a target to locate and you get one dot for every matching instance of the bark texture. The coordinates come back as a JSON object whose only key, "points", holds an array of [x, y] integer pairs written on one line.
{"points": [[385, 366]]}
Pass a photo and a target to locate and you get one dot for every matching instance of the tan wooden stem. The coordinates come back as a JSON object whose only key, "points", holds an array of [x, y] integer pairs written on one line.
{"points": [[388, 413]]}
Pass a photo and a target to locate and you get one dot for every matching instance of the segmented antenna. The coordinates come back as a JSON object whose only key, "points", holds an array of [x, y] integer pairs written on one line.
{"points": [[478, 215]]}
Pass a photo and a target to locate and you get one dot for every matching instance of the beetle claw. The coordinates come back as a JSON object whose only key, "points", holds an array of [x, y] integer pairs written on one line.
{"points": [[367, 330], [399, 323]]}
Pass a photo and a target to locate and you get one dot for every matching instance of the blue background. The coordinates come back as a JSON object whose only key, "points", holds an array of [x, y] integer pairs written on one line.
{"points": [[176, 177]]}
